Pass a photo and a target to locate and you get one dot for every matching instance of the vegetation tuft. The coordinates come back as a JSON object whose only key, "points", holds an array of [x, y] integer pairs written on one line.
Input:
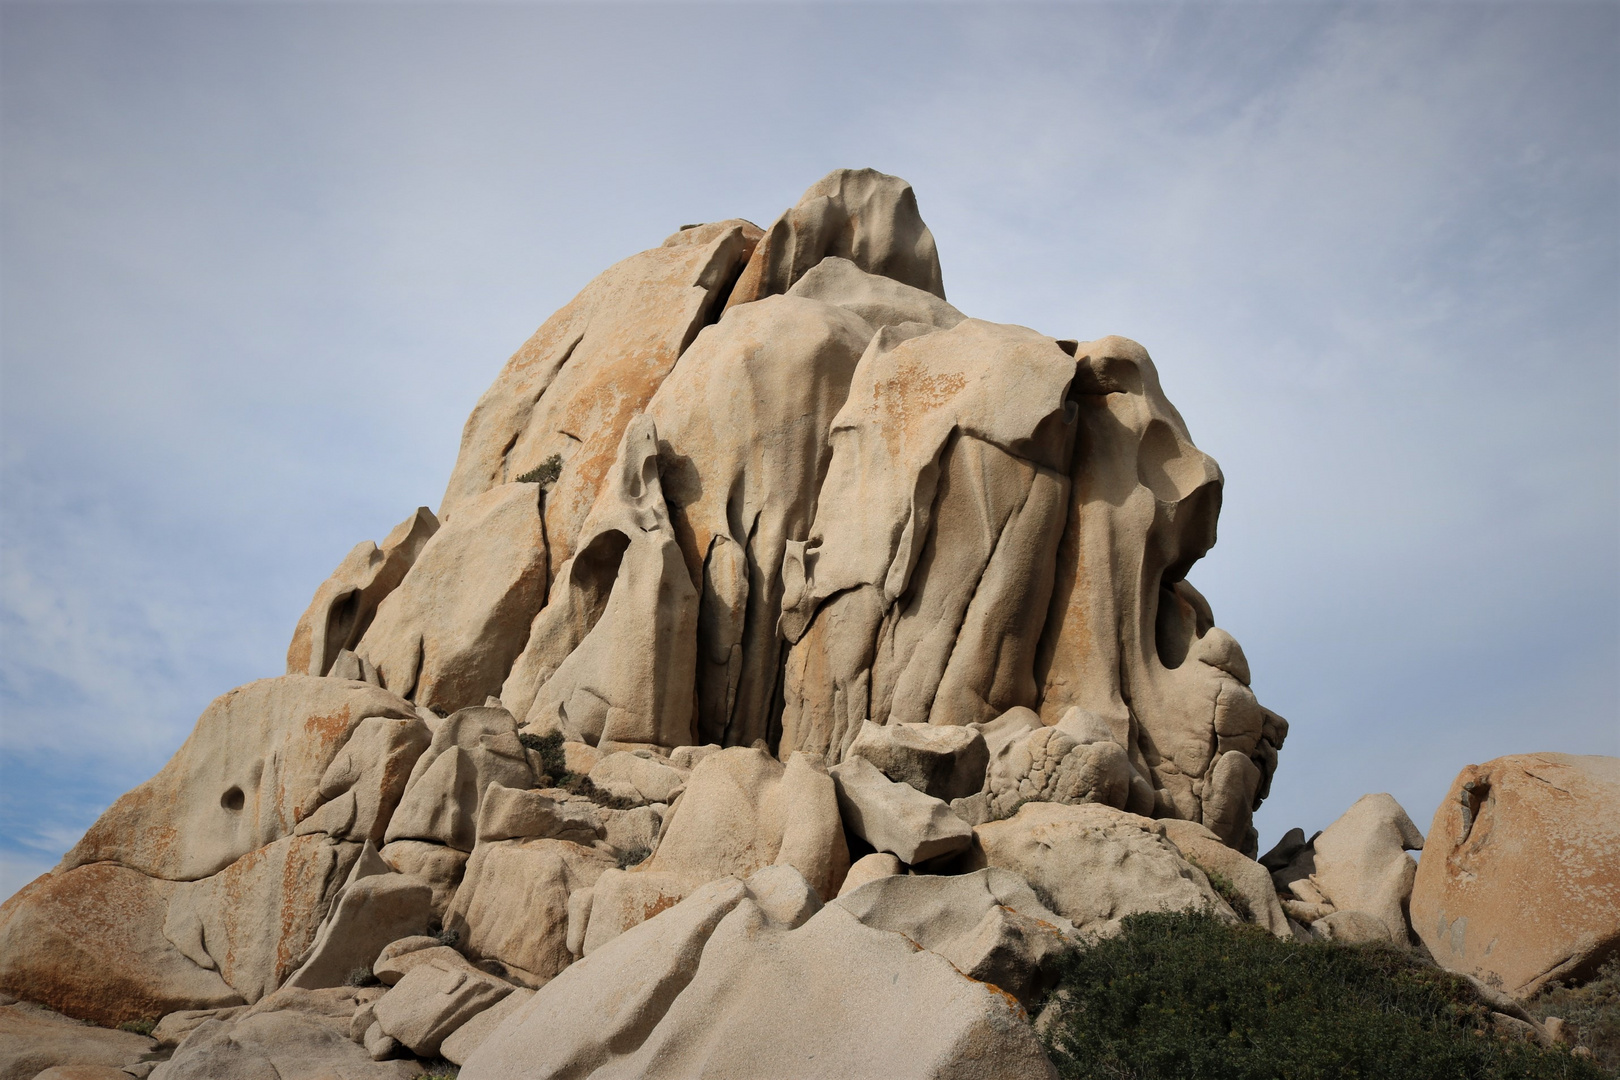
{"points": [[448, 936], [546, 474], [633, 857], [1226, 890], [439, 1069], [1182, 995], [362, 976], [138, 1027], [1592, 1009], [555, 764]]}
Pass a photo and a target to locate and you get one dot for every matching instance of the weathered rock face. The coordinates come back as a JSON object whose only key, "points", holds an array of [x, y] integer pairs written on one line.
{"points": [[758, 550], [1519, 883]]}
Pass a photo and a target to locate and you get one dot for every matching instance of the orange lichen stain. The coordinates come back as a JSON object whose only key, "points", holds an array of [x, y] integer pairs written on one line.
{"points": [[331, 729], [653, 907], [909, 395]]}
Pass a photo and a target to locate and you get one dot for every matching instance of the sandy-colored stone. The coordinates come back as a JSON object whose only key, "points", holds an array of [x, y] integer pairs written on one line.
{"points": [[880, 301], [460, 1044], [472, 749], [396, 961], [367, 914], [861, 215], [513, 904], [89, 942], [538, 814], [896, 817], [361, 789], [447, 635], [432, 1001], [945, 761], [1361, 862], [1519, 883], [247, 775], [346, 602], [715, 988], [1248, 877], [1352, 928], [879, 864], [1075, 761], [33, 1040], [1094, 864], [438, 865], [287, 1044], [640, 776]]}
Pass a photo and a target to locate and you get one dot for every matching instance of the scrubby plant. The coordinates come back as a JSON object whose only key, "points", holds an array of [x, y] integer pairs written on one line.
{"points": [[1592, 1009], [361, 976], [555, 765], [440, 1069], [1227, 890], [633, 857], [546, 474], [138, 1027], [1182, 995], [448, 936]]}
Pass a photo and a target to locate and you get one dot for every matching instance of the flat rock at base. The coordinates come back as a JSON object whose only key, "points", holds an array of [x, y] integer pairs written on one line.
{"points": [[714, 988], [1094, 864], [942, 760], [896, 817], [1520, 878], [1248, 877], [432, 1001], [1361, 862], [280, 1045], [82, 1072], [33, 1039]]}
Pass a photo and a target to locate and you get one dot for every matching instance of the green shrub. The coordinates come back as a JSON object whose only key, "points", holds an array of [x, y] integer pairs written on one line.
{"points": [[138, 1027], [1182, 995], [440, 1069], [448, 936], [555, 763], [546, 474], [633, 857], [1226, 890], [1593, 1009], [362, 976]]}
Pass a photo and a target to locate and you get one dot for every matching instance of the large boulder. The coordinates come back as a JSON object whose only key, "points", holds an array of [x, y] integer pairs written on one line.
{"points": [[346, 602], [942, 760], [729, 983], [1250, 880], [361, 789], [33, 1040], [1361, 862], [1074, 761], [1093, 864], [432, 1001], [471, 750], [1519, 883], [250, 771], [376, 906], [447, 635], [896, 817]]}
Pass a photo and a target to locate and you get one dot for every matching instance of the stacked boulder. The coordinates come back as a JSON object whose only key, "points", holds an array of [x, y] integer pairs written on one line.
{"points": [[793, 669]]}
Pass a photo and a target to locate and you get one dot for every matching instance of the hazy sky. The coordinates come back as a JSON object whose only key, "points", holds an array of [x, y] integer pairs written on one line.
{"points": [[257, 261]]}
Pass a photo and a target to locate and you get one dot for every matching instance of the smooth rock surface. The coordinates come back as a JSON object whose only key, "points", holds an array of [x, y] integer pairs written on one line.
{"points": [[1519, 883], [33, 1039], [432, 1001], [946, 762], [1248, 877], [1361, 862], [896, 817]]}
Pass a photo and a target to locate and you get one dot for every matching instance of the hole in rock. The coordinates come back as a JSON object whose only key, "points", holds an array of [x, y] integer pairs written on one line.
{"points": [[232, 799]]}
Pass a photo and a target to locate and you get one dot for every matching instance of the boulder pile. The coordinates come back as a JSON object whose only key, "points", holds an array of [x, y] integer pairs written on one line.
{"points": [[794, 669]]}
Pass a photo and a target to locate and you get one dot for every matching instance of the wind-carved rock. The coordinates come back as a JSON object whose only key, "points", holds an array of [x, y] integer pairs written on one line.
{"points": [[751, 496]]}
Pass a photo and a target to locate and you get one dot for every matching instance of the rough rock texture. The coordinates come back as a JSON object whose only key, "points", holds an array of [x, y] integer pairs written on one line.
{"points": [[686, 994], [346, 602], [1519, 883], [947, 762], [432, 1001], [376, 906], [471, 750], [896, 817], [1361, 862], [1204, 849], [1094, 864], [34, 1039]]}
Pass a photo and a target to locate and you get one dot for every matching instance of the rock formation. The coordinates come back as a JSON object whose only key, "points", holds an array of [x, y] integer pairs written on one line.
{"points": [[794, 667]]}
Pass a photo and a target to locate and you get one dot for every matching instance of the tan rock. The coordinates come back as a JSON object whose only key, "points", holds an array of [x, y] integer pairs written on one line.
{"points": [[287, 1044], [1076, 761], [744, 810], [572, 388], [538, 814], [33, 1040], [246, 776], [397, 961], [460, 1044], [447, 635], [944, 761], [1519, 883], [83, 1072], [431, 1002], [879, 864], [440, 866], [623, 899], [743, 434], [1361, 862], [174, 1027], [366, 915], [702, 990], [472, 749], [1249, 878], [1123, 619], [361, 789], [633, 830], [346, 602], [1351, 928], [513, 905], [1094, 864], [989, 924], [640, 776], [880, 301], [861, 215], [896, 817]]}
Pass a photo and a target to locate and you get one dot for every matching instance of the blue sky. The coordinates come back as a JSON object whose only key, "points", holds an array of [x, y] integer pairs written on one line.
{"points": [[258, 260]]}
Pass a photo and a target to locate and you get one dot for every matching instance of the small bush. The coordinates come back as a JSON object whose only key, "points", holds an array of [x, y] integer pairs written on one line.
{"points": [[448, 936], [546, 474], [138, 1027], [1182, 995], [1592, 1009], [361, 976], [439, 1069], [1227, 890], [555, 763], [633, 857]]}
